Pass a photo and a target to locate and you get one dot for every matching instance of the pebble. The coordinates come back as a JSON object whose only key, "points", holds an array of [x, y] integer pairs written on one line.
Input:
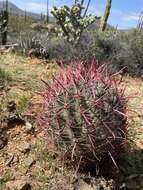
{"points": [[28, 162], [24, 147], [28, 127]]}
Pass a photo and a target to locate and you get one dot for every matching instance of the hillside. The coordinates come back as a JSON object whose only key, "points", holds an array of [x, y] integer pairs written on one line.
{"points": [[13, 9]]}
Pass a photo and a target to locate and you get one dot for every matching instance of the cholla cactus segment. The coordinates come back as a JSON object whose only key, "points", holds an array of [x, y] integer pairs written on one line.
{"points": [[84, 111]]}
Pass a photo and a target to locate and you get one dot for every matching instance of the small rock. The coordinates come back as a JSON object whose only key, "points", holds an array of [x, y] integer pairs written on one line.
{"points": [[24, 148], [16, 159], [18, 185], [29, 162], [23, 170], [28, 127], [9, 161], [2, 144]]}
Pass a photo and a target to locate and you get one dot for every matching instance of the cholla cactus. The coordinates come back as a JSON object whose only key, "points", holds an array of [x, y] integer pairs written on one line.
{"points": [[72, 22], [84, 110]]}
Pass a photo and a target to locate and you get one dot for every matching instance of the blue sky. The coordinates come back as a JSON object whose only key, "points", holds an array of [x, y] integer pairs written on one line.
{"points": [[125, 13]]}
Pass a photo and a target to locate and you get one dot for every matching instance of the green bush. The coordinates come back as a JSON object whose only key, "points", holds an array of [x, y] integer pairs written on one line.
{"points": [[61, 50], [121, 50], [129, 55]]}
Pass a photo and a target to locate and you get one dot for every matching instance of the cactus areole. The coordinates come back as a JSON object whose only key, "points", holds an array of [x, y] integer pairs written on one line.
{"points": [[84, 111]]}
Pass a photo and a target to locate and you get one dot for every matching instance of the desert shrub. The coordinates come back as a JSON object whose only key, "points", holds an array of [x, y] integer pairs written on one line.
{"points": [[103, 44], [60, 49], [129, 54], [121, 50], [84, 111], [136, 46], [98, 44], [92, 44]]}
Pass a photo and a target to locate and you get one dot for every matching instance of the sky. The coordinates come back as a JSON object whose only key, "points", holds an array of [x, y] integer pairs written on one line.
{"points": [[124, 13]]}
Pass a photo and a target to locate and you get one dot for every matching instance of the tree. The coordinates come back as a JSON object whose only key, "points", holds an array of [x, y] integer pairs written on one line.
{"points": [[105, 16]]}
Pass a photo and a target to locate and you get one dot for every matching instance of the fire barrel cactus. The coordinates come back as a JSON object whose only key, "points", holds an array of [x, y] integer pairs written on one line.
{"points": [[84, 111]]}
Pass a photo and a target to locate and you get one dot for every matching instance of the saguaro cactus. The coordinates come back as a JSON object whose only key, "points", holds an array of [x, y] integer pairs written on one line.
{"points": [[25, 16], [47, 16], [4, 24], [140, 22], [104, 18]]}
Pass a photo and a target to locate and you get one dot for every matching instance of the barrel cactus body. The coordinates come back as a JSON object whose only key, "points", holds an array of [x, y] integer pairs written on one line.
{"points": [[85, 113]]}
